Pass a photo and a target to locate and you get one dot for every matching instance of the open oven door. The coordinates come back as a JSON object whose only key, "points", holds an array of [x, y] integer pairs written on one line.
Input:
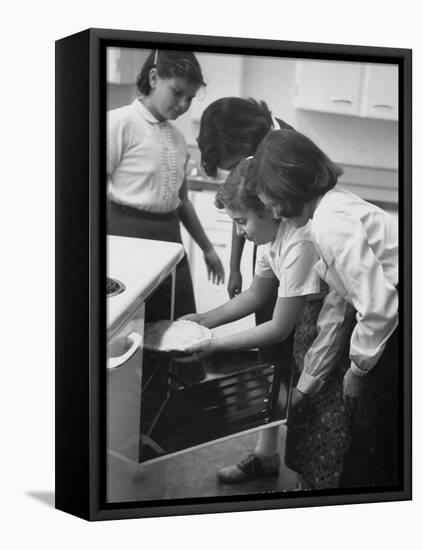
{"points": [[177, 417]]}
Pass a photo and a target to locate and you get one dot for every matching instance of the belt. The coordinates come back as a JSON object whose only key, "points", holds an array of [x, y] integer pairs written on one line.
{"points": [[131, 211]]}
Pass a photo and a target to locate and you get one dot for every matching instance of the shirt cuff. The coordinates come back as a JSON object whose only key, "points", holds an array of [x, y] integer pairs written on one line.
{"points": [[264, 274], [357, 370], [309, 384]]}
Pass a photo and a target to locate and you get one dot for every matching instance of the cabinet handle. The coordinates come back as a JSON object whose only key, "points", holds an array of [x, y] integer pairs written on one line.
{"points": [[220, 245], [341, 100], [115, 362], [382, 106]]}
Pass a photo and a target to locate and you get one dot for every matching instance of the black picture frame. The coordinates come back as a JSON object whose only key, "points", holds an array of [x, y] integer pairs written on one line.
{"points": [[81, 264]]}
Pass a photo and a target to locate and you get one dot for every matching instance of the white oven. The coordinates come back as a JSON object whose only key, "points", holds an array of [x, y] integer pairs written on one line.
{"points": [[135, 270], [124, 383]]}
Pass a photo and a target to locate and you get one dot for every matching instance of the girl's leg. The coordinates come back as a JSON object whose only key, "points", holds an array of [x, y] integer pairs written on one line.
{"points": [[267, 444]]}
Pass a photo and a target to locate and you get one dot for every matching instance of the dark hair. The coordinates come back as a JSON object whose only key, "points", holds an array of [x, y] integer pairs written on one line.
{"points": [[170, 64], [232, 126], [236, 194], [290, 169]]}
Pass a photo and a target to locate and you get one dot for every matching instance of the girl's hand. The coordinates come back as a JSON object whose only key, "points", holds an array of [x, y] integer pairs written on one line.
{"points": [[352, 385], [235, 283], [296, 397], [196, 352], [214, 266]]}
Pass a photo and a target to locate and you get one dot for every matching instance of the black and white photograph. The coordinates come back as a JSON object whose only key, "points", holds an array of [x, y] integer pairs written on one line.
{"points": [[210, 273], [252, 275]]}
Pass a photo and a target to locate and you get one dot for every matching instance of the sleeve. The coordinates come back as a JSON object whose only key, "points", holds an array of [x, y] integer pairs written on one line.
{"points": [[374, 298], [262, 266], [117, 140], [350, 258], [334, 325], [297, 274]]}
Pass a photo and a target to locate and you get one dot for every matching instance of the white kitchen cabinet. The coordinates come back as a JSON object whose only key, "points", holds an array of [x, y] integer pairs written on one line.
{"points": [[328, 86], [124, 64], [380, 92], [218, 226], [353, 89]]}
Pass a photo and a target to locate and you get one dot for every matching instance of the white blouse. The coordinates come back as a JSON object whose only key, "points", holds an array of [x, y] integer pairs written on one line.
{"points": [[146, 159], [357, 244], [290, 257]]}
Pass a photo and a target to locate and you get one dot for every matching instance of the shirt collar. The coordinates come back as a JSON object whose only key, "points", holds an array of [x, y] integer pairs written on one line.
{"points": [[276, 125], [273, 245], [144, 112]]}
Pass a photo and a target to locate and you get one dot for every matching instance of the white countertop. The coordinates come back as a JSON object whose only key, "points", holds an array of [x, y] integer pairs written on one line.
{"points": [[141, 265]]}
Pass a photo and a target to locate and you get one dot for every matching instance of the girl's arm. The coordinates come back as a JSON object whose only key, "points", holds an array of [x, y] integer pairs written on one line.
{"points": [[117, 140], [234, 286], [191, 221], [285, 316], [353, 266], [242, 305]]}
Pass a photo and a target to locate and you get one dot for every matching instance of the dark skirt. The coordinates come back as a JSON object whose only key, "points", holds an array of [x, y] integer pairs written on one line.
{"points": [[319, 427], [373, 459], [130, 222]]}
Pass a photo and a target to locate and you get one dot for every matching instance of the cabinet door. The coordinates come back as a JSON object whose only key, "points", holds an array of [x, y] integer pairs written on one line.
{"points": [[328, 86], [380, 91]]}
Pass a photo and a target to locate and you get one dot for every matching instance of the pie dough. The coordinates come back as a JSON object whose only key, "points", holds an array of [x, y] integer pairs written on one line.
{"points": [[167, 336]]}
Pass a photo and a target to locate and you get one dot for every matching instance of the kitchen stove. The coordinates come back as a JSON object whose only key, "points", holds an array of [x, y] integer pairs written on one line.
{"points": [[127, 303], [114, 287]]}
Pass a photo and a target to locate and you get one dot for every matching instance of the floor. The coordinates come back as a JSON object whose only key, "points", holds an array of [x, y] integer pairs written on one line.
{"points": [[194, 474]]}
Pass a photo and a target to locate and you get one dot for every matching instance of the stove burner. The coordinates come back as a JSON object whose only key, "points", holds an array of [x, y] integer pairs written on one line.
{"points": [[114, 287]]}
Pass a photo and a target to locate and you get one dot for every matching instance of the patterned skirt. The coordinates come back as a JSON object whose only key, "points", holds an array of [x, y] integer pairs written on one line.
{"points": [[319, 427]]}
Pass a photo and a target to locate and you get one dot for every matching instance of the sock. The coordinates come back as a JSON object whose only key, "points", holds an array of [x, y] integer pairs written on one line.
{"points": [[267, 444]]}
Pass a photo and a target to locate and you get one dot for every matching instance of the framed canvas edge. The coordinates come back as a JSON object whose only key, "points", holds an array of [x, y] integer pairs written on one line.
{"points": [[93, 507]]}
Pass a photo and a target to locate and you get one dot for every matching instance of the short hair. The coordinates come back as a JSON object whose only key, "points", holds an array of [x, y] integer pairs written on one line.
{"points": [[236, 194], [170, 64], [232, 126], [291, 170]]}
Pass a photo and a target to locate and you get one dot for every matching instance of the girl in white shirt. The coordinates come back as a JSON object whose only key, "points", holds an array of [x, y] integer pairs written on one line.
{"points": [[357, 245], [285, 253], [230, 130], [146, 166]]}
